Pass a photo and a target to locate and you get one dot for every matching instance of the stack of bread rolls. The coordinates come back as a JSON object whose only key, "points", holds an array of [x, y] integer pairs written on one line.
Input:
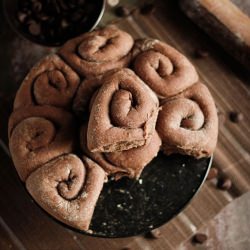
{"points": [[105, 105]]}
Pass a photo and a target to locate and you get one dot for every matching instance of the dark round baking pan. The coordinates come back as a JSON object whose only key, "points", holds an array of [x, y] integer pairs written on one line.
{"points": [[132, 207], [128, 207], [53, 22]]}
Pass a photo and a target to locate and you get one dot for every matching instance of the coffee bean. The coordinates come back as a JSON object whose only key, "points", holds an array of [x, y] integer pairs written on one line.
{"points": [[36, 6], [122, 11], [153, 234], [224, 183], [21, 16], [213, 173], [236, 117], [199, 238], [43, 17], [64, 23], [201, 53], [126, 248], [34, 28], [147, 9], [77, 16]]}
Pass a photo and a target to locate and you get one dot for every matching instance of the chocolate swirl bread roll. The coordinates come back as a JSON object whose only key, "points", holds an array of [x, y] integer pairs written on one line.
{"points": [[123, 114], [50, 82], [166, 71], [128, 163], [97, 52], [68, 189], [188, 123], [38, 134]]}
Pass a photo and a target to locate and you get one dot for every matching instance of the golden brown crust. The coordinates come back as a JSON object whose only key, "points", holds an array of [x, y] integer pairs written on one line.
{"points": [[49, 82], [68, 189], [99, 51], [123, 115], [164, 69], [37, 135], [188, 123]]}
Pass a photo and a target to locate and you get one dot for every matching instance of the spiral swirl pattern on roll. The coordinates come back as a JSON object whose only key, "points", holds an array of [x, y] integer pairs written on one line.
{"points": [[37, 135], [188, 123], [68, 189], [99, 51], [50, 82], [166, 71], [123, 114]]}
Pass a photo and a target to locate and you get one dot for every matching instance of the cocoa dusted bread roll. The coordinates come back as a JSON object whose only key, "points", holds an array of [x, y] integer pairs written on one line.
{"points": [[224, 22], [123, 114], [128, 163], [68, 189], [188, 123], [165, 70], [50, 82], [97, 52], [37, 134]]}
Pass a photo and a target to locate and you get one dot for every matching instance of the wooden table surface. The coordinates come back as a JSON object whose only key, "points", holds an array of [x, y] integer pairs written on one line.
{"points": [[23, 225]]}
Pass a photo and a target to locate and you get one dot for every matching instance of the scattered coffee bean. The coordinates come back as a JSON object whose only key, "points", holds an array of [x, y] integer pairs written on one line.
{"points": [[224, 183], [147, 9], [122, 11], [199, 238], [213, 173], [126, 248], [236, 117], [201, 53], [153, 234]]}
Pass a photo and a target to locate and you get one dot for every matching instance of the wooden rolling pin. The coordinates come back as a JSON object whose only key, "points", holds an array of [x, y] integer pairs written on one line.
{"points": [[225, 23]]}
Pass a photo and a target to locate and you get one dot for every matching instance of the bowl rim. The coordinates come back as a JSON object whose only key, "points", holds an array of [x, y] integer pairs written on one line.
{"points": [[32, 39]]}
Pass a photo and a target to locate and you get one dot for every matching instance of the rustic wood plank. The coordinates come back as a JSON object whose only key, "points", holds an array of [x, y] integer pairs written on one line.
{"points": [[8, 240]]}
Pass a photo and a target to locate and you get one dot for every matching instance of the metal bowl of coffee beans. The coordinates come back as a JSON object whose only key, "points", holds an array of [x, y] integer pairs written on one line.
{"points": [[53, 22]]}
